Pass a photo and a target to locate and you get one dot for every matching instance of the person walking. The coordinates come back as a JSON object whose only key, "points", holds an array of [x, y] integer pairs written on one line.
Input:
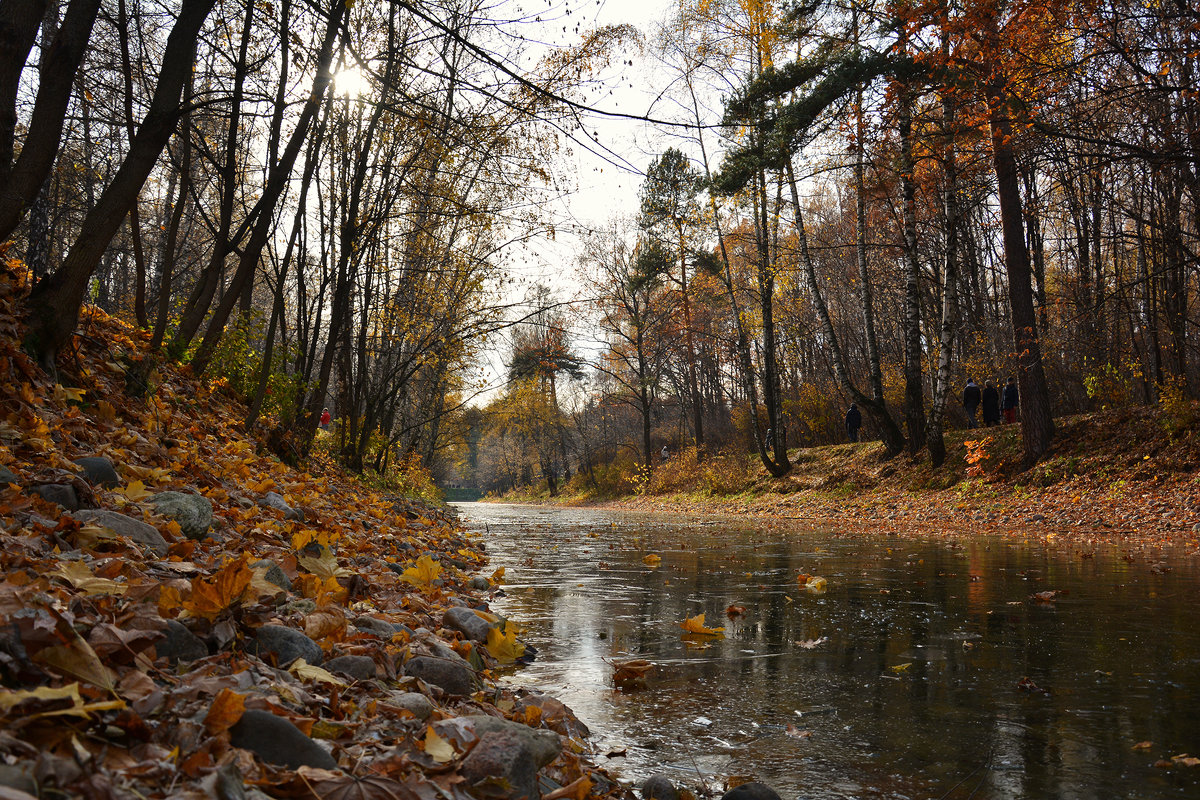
{"points": [[971, 399], [326, 418], [664, 455], [1011, 401], [853, 422], [991, 405]]}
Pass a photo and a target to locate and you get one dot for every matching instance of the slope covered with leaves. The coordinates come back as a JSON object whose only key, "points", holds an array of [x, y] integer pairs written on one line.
{"points": [[140, 640]]}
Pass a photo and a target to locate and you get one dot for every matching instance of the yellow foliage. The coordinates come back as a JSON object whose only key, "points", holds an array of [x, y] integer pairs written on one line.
{"points": [[695, 625]]}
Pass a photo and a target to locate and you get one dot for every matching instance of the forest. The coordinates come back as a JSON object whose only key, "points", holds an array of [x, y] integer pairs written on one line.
{"points": [[320, 205]]}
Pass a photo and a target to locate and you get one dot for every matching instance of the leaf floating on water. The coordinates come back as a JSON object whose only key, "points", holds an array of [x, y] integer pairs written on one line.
{"points": [[652, 560], [695, 625], [1143, 745], [631, 674], [898, 668], [796, 733], [815, 584], [735, 611], [812, 644], [1046, 597]]}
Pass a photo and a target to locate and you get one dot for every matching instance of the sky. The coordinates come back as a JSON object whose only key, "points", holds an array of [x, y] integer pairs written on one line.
{"points": [[602, 176]]}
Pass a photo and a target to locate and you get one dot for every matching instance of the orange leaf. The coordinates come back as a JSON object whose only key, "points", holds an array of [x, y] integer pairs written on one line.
{"points": [[211, 597], [696, 625], [225, 712], [735, 611]]}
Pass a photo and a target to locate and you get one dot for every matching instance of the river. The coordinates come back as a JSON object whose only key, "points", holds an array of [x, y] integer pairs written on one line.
{"points": [[928, 668]]}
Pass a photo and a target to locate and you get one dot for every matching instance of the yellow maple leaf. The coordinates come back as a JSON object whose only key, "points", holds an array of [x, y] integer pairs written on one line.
{"points": [[652, 560], [504, 645], [695, 625], [133, 492], [212, 596], [63, 394], [78, 708], [422, 573], [324, 566]]}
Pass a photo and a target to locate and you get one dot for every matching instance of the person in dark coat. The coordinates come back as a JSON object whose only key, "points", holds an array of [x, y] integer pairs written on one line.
{"points": [[971, 401], [1011, 401], [853, 422], [991, 405]]}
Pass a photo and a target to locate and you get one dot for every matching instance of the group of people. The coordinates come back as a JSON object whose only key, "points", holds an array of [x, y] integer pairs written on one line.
{"points": [[996, 404], [992, 401]]}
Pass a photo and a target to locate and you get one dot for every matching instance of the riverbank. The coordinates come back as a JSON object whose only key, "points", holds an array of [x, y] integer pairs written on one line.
{"points": [[1127, 474], [183, 615]]}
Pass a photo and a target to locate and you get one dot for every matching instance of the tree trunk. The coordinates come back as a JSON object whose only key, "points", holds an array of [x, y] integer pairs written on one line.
{"points": [[21, 180], [57, 299], [1037, 425], [914, 401]]}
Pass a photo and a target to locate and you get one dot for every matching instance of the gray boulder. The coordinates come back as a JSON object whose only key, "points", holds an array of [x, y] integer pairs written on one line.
{"points": [[180, 644], [130, 528], [751, 791], [659, 787], [98, 471], [192, 511], [62, 494], [468, 623], [543, 745], [7, 476], [275, 574], [414, 702], [286, 644], [480, 582], [276, 501], [276, 740], [452, 677], [19, 777], [360, 668], [505, 761]]}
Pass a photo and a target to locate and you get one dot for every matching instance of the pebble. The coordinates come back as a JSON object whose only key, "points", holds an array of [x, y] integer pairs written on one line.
{"points": [[751, 791], [61, 494], [180, 644], [275, 573], [452, 677], [193, 512], [99, 471], [128, 527], [286, 644], [360, 668], [277, 741], [468, 623], [415, 702]]}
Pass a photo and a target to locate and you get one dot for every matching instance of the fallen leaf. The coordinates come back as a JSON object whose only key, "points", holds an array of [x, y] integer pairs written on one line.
{"points": [[1143, 745], [812, 644], [696, 625], [504, 646], [652, 560], [226, 709], [45, 694], [133, 492], [324, 566], [307, 672], [735, 611], [898, 668], [423, 572], [632, 673], [436, 747], [815, 584], [81, 577], [796, 733]]}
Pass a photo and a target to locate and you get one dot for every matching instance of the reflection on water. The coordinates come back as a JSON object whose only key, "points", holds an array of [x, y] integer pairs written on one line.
{"points": [[941, 676]]}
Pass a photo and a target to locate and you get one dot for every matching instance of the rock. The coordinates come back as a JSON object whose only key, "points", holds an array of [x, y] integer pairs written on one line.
{"points": [[468, 623], [659, 787], [751, 791], [20, 778], [360, 668], [275, 573], [192, 511], [98, 471], [480, 582], [276, 501], [543, 745], [181, 644], [59, 493], [503, 763], [415, 702], [7, 476], [128, 527], [286, 644], [452, 677], [277, 741], [378, 627]]}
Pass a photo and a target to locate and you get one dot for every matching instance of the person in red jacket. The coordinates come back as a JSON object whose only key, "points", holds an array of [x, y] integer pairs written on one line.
{"points": [[325, 419]]}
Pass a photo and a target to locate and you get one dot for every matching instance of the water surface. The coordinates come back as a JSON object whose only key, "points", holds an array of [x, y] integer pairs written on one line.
{"points": [[940, 674]]}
